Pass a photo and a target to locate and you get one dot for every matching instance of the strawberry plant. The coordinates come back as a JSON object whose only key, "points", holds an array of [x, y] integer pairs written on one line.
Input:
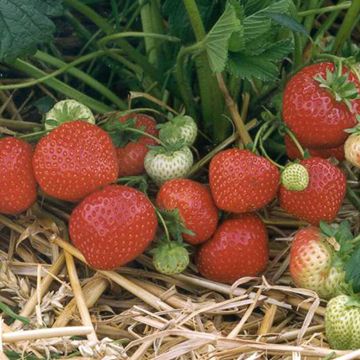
{"points": [[179, 175]]}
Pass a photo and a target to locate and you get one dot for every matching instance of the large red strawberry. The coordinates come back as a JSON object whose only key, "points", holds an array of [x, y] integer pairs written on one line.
{"points": [[74, 160], [322, 198], [113, 226], [195, 204], [238, 248], [17, 181], [131, 156], [241, 181], [293, 152], [318, 105]]}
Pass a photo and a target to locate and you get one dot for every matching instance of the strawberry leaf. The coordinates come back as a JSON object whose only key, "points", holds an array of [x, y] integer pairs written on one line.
{"points": [[217, 40], [352, 270], [24, 25]]}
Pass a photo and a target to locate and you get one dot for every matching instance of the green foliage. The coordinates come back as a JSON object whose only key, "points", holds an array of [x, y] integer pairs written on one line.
{"points": [[259, 44], [26, 24]]}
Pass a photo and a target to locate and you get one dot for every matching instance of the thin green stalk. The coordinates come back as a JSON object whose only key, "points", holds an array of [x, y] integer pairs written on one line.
{"points": [[353, 198], [212, 103], [115, 10], [325, 9], [103, 41], [348, 24], [309, 21], [151, 23], [295, 141], [298, 50], [87, 79], [325, 26], [103, 24], [61, 87], [19, 125], [183, 82]]}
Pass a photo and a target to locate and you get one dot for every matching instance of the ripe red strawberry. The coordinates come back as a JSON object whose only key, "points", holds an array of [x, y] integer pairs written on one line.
{"points": [[241, 181], [131, 156], [316, 105], [322, 198], [195, 204], [238, 248], [293, 152], [113, 226], [17, 181], [312, 264], [74, 160]]}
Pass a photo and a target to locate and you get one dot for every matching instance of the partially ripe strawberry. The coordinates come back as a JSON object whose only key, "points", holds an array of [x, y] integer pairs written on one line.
{"points": [[17, 181], [352, 149], [238, 248], [312, 264], [319, 105], [293, 153], [113, 226], [131, 156], [322, 198], [195, 204], [241, 181], [74, 160]]}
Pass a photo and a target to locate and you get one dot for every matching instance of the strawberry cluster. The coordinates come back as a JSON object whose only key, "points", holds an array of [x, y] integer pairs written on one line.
{"points": [[81, 162]]}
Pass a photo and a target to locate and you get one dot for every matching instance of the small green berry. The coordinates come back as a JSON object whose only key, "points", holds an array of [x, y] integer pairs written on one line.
{"points": [[295, 177], [170, 258], [68, 110]]}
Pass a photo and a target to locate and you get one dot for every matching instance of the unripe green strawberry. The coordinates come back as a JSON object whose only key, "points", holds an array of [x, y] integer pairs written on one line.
{"points": [[162, 164], [170, 258], [295, 177], [180, 129], [342, 323], [67, 110], [352, 149]]}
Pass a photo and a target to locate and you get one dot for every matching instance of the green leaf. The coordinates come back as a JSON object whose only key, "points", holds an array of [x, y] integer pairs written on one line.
{"points": [[260, 22], [352, 271], [288, 22], [24, 25], [217, 40], [278, 50], [248, 67]]}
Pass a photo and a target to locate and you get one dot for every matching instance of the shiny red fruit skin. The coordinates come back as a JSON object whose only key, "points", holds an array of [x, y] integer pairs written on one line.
{"points": [[131, 156], [238, 248], [241, 181], [113, 226], [312, 113], [323, 197], [17, 181], [293, 152], [195, 204], [74, 160]]}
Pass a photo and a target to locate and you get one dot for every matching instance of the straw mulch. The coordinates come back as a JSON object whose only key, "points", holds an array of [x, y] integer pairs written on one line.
{"points": [[136, 313]]}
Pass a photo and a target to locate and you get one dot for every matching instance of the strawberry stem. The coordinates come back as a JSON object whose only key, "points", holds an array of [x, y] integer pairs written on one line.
{"points": [[265, 154], [138, 131], [295, 141], [163, 223]]}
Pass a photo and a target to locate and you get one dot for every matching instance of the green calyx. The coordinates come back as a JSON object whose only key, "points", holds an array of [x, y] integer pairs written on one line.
{"points": [[122, 133], [170, 257], [180, 129], [295, 177], [339, 85], [65, 111]]}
